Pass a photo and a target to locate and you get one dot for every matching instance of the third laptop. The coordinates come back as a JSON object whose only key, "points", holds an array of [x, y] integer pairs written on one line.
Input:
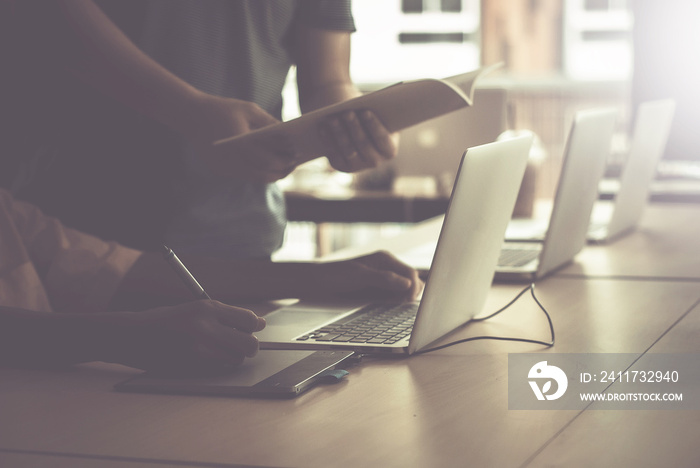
{"points": [[613, 218]]}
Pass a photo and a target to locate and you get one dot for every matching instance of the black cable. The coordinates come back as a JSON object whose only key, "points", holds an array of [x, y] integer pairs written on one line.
{"points": [[504, 338]]}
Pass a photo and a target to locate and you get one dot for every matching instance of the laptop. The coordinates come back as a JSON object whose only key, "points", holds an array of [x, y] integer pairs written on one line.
{"points": [[612, 219], [531, 252], [470, 239]]}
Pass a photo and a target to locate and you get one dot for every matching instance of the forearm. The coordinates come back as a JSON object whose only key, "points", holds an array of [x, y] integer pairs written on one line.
{"points": [[323, 68], [100, 54], [39, 339], [152, 281], [247, 281], [326, 94]]}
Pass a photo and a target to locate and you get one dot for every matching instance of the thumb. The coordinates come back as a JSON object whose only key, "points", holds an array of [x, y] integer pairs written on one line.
{"points": [[259, 118]]}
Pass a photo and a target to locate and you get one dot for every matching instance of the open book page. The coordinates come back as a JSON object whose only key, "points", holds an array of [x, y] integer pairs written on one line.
{"points": [[397, 106]]}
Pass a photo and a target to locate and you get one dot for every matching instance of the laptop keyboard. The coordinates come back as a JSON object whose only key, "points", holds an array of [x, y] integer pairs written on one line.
{"points": [[373, 324], [517, 257]]}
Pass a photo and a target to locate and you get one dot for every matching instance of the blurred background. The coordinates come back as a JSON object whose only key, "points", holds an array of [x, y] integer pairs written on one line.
{"points": [[559, 56]]}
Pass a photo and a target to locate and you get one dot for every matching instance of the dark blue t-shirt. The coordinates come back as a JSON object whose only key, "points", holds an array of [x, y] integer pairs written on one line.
{"points": [[235, 49], [105, 169]]}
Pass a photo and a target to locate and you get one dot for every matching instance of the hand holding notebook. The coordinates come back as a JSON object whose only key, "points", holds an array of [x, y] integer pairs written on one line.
{"points": [[397, 107]]}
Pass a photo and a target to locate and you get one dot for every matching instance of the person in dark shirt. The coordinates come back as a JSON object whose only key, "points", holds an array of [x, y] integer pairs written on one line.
{"points": [[128, 157]]}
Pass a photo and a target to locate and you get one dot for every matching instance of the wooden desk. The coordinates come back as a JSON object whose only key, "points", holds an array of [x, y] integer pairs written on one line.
{"points": [[601, 437], [443, 409], [440, 409], [665, 245]]}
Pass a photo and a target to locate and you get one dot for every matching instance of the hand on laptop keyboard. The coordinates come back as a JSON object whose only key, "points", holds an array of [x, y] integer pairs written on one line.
{"points": [[378, 276]]}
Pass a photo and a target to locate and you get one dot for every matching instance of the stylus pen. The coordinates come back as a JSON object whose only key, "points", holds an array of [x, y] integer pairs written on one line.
{"points": [[184, 274]]}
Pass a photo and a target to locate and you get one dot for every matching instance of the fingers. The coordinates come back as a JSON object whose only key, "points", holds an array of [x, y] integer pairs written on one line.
{"points": [[240, 319], [357, 140], [349, 130], [262, 160], [259, 118], [380, 136], [256, 161], [342, 153], [271, 161], [226, 333], [387, 261], [397, 274], [388, 280], [235, 331], [247, 116]]}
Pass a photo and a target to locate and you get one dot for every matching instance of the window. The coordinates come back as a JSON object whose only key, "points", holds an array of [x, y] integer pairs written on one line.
{"points": [[419, 6], [597, 39], [407, 39]]}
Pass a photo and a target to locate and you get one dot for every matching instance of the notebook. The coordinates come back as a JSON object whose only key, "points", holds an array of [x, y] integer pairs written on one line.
{"points": [[612, 219], [587, 150], [481, 204]]}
